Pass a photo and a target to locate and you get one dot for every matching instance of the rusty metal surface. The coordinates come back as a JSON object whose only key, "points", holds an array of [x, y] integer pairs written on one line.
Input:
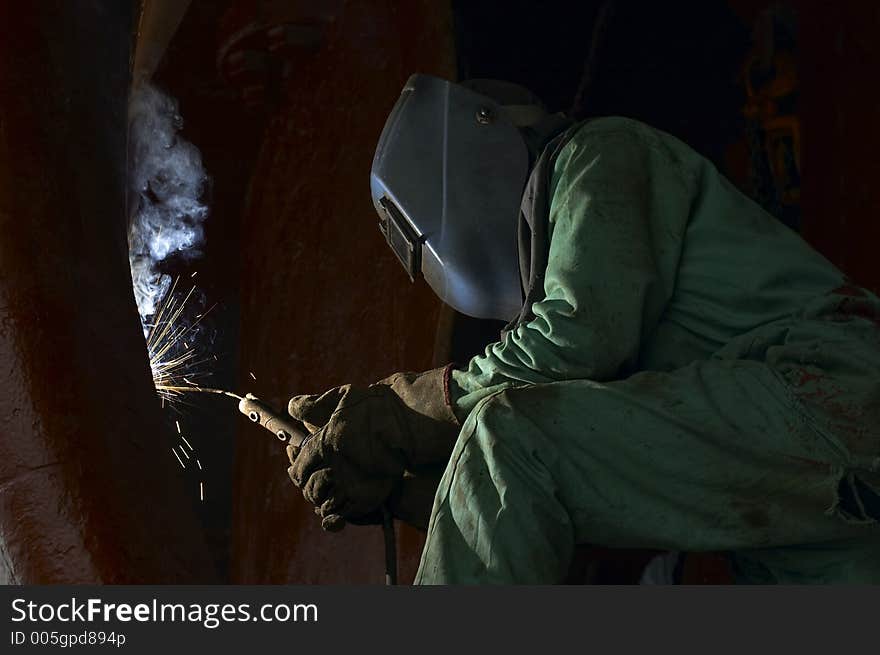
{"points": [[88, 492], [159, 20], [324, 301]]}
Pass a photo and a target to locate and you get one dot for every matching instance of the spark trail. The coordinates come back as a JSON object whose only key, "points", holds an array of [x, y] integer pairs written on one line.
{"points": [[176, 365]]}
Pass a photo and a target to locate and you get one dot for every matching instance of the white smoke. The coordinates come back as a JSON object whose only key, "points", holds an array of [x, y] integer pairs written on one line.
{"points": [[167, 182]]}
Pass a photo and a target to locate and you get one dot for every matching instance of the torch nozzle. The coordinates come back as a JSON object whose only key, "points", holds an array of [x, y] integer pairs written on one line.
{"points": [[282, 426]]}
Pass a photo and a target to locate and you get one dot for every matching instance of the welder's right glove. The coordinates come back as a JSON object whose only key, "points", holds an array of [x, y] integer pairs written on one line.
{"points": [[372, 446]]}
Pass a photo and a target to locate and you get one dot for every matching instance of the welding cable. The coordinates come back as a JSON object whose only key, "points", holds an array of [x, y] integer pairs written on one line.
{"points": [[390, 546]]}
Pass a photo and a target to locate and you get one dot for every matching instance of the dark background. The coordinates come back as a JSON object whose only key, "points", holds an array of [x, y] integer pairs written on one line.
{"points": [[308, 295]]}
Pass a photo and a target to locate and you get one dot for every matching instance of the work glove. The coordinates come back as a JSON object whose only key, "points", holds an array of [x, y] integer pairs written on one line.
{"points": [[385, 444]]}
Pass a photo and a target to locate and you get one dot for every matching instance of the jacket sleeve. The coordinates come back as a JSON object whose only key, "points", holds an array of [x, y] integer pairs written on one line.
{"points": [[620, 201]]}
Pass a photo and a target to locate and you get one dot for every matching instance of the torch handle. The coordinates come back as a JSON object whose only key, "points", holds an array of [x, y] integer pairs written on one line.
{"points": [[290, 430], [284, 427]]}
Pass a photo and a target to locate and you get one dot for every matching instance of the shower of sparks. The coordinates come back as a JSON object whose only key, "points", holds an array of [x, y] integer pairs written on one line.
{"points": [[177, 370], [174, 368]]}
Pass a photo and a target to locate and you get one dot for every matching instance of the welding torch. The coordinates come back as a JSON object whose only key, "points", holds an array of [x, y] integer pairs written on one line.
{"points": [[291, 431]]}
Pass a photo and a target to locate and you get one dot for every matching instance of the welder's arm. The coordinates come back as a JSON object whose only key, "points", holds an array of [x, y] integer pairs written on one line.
{"points": [[619, 209]]}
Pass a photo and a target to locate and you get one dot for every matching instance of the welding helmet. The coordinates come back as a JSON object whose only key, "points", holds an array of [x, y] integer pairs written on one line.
{"points": [[447, 180]]}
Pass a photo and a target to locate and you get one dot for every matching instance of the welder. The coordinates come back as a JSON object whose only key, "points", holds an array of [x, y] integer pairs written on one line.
{"points": [[680, 371]]}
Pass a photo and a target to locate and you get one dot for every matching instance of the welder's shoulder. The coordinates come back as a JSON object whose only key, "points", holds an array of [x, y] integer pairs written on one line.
{"points": [[631, 132], [634, 142], [615, 125]]}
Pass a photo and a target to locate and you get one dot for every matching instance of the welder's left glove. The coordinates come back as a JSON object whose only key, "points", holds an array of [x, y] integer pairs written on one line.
{"points": [[376, 445]]}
